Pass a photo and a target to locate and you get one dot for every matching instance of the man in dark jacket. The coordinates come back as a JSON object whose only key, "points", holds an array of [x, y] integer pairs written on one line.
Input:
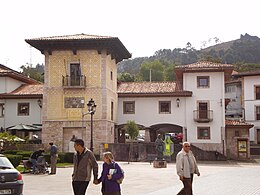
{"points": [[84, 162], [34, 158]]}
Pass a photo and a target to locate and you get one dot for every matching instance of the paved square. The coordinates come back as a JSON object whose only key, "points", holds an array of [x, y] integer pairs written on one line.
{"points": [[217, 178]]}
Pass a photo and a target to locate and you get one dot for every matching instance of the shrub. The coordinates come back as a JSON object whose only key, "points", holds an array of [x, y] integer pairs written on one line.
{"points": [[68, 158], [65, 157], [10, 152], [14, 159], [25, 154]]}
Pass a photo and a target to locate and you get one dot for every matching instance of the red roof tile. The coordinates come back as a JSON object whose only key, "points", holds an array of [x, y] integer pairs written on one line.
{"points": [[76, 42], [205, 65], [247, 73], [237, 123], [28, 89], [73, 37], [8, 72], [25, 90], [142, 88]]}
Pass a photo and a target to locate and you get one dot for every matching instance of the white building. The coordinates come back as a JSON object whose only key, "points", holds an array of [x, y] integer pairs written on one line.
{"points": [[20, 99], [251, 101], [193, 105]]}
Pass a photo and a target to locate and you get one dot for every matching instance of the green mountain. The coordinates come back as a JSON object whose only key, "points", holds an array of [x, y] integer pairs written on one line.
{"points": [[244, 51]]}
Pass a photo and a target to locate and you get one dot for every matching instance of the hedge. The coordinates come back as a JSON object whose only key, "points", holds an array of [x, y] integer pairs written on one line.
{"points": [[14, 159]]}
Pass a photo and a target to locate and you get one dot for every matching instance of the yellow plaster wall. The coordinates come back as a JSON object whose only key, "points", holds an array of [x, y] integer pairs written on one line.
{"points": [[57, 65], [111, 66]]}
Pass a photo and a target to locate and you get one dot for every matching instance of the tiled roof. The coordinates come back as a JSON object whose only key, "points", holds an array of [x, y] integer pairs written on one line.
{"points": [[234, 81], [28, 89], [112, 45], [237, 123], [8, 72], [141, 88], [73, 37], [204, 65], [25, 90], [247, 73]]}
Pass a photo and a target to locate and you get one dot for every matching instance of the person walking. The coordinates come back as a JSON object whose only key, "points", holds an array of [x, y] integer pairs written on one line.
{"points": [[110, 175], [54, 157], [84, 161], [186, 167]]}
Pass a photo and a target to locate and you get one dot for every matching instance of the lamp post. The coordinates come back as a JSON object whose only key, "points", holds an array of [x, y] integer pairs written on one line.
{"points": [[91, 110]]}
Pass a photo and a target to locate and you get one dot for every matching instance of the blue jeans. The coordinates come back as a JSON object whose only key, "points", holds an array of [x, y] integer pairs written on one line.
{"points": [[34, 164]]}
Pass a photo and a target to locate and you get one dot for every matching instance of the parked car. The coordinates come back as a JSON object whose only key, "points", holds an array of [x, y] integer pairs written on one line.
{"points": [[11, 181]]}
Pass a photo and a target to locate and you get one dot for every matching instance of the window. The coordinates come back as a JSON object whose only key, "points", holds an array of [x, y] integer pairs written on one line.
{"points": [[203, 110], [129, 107], [23, 109], [203, 81], [257, 112], [112, 111], [75, 74], [203, 132], [2, 110], [165, 107], [111, 75], [230, 89], [257, 92]]}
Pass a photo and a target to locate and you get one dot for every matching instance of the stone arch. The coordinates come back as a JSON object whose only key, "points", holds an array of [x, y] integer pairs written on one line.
{"points": [[163, 128], [121, 132]]}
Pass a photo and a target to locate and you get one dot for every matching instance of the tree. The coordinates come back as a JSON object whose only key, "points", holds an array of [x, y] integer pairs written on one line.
{"points": [[126, 77], [133, 131], [152, 71], [34, 73]]}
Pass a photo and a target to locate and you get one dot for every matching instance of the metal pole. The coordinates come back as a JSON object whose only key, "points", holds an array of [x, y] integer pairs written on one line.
{"points": [[82, 131], [91, 132]]}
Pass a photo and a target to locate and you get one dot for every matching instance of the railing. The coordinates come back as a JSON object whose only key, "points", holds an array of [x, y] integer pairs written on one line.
{"points": [[203, 116], [74, 81]]}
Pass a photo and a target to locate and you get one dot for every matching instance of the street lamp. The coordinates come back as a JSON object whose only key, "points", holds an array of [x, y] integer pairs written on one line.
{"points": [[91, 110]]}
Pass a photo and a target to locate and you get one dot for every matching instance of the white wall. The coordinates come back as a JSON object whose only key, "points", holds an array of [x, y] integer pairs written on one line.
{"points": [[215, 95], [11, 117], [8, 84], [147, 111], [250, 102]]}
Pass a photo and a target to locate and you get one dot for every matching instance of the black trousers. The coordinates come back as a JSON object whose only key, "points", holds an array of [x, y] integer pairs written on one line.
{"points": [[187, 186], [111, 193], [80, 187]]}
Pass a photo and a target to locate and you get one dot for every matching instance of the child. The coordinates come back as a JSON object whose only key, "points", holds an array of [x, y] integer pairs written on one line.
{"points": [[110, 174]]}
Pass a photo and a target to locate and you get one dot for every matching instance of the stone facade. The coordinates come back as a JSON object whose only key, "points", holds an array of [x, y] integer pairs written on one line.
{"points": [[238, 143]]}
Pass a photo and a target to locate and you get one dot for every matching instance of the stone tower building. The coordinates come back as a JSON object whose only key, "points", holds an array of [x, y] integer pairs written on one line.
{"points": [[78, 68]]}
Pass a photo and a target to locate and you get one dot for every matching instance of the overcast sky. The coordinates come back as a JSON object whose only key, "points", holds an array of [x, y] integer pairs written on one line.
{"points": [[143, 26]]}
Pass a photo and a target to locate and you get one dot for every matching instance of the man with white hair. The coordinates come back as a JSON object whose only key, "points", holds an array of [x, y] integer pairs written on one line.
{"points": [[186, 166]]}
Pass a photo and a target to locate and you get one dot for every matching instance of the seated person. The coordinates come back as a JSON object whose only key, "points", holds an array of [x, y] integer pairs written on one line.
{"points": [[34, 158]]}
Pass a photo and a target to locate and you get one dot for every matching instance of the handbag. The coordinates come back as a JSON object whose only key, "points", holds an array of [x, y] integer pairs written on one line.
{"points": [[120, 180]]}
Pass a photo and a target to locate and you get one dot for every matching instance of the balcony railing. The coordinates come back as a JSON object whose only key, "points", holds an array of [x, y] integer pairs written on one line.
{"points": [[203, 116], [74, 81]]}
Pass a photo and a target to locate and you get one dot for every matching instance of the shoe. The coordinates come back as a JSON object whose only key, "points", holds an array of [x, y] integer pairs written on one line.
{"points": [[52, 173]]}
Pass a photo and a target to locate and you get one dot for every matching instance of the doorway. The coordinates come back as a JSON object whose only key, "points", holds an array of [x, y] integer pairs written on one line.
{"points": [[258, 136]]}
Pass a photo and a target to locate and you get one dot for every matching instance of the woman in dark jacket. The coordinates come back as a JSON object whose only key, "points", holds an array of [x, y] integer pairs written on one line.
{"points": [[110, 174]]}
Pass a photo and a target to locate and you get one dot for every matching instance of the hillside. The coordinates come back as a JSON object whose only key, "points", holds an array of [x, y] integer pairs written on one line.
{"points": [[245, 50]]}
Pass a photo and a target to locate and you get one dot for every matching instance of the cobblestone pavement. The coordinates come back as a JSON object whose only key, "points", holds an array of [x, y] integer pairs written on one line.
{"points": [[217, 178]]}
